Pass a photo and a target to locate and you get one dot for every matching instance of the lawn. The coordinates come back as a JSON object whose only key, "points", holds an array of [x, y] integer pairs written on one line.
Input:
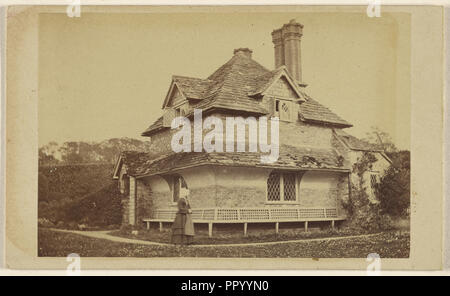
{"points": [[388, 245], [236, 236]]}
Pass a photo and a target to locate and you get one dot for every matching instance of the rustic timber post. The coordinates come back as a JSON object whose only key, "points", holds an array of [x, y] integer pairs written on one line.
{"points": [[332, 224], [148, 224], [210, 229], [132, 201], [306, 226], [245, 229], [277, 227], [160, 227]]}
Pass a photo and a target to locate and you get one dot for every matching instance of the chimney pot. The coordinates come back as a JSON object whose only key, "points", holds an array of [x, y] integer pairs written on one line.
{"points": [[243, 52]]}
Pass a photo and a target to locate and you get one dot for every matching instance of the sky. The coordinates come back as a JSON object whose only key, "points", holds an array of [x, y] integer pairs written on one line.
{"points": [[106, 75]]}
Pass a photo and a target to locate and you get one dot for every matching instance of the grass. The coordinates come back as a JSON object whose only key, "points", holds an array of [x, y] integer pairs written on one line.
{"points": [[236, 236], [392, 244]]}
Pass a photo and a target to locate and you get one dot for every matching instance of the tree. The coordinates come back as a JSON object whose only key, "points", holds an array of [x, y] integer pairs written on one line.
{"points": [[393, 190], [70, 152], [42, 187], [381, 138]]}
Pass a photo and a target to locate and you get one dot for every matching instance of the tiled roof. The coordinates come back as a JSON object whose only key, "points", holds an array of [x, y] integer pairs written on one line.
{"points": [[142, 164], [231, 85], [355, 143], [192, 88], [157, 125], [313, 111], [230, 88]]}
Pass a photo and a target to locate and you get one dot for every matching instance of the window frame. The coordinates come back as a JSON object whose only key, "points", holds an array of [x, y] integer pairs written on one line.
{"points": [[376, 176], [278, 103], [282, 193]]}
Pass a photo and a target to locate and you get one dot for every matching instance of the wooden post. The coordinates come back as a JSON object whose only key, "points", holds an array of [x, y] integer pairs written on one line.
{"points": [[245, 229], [332, 224], [148, 224], [277, 227], [306, 226], [160, 227], [210, 229]]}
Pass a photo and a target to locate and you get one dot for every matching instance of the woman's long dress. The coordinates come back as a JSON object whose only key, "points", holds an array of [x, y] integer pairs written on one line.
{"points": [[182, 227]]}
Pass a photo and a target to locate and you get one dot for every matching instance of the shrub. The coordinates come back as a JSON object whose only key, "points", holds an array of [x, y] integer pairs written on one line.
{"points": [[393, 191], [43, 222]]}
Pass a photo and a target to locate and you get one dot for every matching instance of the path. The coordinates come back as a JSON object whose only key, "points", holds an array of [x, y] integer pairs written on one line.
{"points": [[105, 235]]}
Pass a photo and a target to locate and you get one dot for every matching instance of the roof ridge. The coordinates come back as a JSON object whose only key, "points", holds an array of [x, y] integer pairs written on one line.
{"points": [[189, 77]]}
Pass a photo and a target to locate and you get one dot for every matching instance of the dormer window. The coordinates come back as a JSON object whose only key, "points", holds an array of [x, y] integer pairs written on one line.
{"points": [[283, 109]]}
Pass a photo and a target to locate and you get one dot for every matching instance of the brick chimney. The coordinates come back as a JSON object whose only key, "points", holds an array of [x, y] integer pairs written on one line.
{"points": [[286, 42]]}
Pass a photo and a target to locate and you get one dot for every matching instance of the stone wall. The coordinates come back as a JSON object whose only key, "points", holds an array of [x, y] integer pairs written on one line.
{"points": [[160, 142], [240, 187], [321, 189], [161, 196], [296, 134]]}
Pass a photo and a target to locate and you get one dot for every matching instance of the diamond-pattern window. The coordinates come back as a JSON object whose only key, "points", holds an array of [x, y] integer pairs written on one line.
{"points": [[281, 187], [289, 187], [273, 187]]}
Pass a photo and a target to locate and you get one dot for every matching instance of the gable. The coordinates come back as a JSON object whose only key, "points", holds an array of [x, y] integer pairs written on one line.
{"points": [[282, 88], [175, 96], [118, 168]]}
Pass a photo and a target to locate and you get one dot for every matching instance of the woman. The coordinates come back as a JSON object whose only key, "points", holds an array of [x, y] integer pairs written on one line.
{"points": [[183, 227]]}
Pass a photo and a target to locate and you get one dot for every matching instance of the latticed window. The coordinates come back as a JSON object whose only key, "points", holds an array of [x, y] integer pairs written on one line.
{"points": [[281, 187], [289, 187], [373, 181], [273, 187]]}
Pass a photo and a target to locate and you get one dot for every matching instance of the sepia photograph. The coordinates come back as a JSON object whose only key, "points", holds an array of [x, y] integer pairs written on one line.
{"points": [[214, 135], [120, 176]]}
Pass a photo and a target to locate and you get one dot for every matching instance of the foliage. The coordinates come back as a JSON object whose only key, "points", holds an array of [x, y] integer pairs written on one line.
{"points": [[42, 187], [89, 152], [382, 138], [75, 194], [144, 204], [72, 181], [100, 208], [393, 190], [363, 213]]}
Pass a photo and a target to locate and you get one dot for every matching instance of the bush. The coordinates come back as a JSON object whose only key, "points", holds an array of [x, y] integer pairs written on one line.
{"points": [[43, 222], [100, 208], [393, 191]]}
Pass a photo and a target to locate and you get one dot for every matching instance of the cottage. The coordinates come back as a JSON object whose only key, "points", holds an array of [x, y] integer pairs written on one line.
{"points": [[308, 181]]}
